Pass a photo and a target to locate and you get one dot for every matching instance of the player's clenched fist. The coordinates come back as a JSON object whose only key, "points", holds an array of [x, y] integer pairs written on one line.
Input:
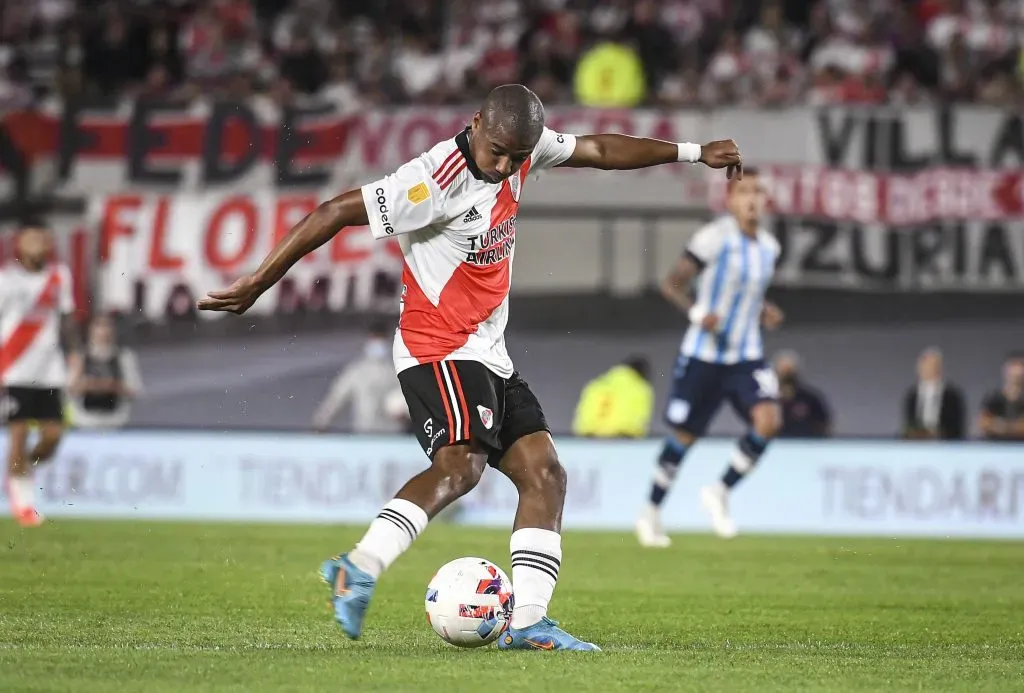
{"points": [[723, 154], [237, 298]]}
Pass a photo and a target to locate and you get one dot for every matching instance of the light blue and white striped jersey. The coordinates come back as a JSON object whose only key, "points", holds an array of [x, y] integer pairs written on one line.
{"points": [[736, 273]]}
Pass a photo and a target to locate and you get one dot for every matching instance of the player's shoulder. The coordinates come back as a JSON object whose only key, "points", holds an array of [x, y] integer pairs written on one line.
{"points": [[444, 163], [549, 137], [718, 229], [768, 239]]}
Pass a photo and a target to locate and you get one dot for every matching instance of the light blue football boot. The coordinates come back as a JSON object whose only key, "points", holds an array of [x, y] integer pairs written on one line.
{"points": [[352, 591], [543, 635]]}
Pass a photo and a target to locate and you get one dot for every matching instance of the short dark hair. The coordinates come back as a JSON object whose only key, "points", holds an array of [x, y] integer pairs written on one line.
{"points": [[641, 364], [514, 109], [1015, 355], [748, 172], [26, 223]]}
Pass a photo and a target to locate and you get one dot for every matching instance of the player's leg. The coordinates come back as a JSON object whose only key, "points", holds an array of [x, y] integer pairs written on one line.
{"points": [[753, 391], [21, 484], [438, 395], [530, 461], [454, 471], [693, 402], [21, 406], [50, 433]]}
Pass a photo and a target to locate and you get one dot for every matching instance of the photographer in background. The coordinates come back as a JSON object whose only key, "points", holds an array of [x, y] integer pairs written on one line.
{"points": [[103, 380], [367, 386], [1002, 413], [618, 403], [933, 409], [805, 411]]}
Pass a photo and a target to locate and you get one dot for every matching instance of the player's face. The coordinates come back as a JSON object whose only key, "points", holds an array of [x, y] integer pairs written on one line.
{"points": [[497, 154], [929, 366], [1014, 372], [786, 368], [101, 332], [747, 200], [34, 247]]}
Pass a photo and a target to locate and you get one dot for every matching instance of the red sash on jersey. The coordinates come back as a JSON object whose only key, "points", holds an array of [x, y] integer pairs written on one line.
{"points": [[30, 327]]}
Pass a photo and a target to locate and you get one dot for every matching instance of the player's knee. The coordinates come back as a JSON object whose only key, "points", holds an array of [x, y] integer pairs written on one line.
{"points": [[683, 437], [767, 420], [47, 446], [545, 474], [459, 468]]}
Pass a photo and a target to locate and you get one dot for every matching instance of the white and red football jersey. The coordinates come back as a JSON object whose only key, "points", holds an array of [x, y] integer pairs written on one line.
{"points": [[457, 233], [31, 307]]}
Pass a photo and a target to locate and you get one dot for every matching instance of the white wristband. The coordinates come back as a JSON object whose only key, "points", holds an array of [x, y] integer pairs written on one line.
{"points": [[688, 151], [696, 314]]}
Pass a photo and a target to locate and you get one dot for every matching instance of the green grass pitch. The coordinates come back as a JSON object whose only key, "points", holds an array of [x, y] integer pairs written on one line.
{"points": [[154, 607]]}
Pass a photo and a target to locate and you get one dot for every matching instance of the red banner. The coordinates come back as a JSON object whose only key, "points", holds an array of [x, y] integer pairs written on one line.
{"points": [[890, 199], [158, 254]]}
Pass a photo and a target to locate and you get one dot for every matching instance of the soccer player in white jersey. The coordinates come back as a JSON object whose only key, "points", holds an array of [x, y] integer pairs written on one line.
{"points": [[36, 297], [453, 210], [722, 354]]}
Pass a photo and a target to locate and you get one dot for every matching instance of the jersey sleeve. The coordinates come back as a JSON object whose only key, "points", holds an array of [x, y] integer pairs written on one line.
{"points": [[705, 245], [405, 201], [552, 149], [67, 291]]}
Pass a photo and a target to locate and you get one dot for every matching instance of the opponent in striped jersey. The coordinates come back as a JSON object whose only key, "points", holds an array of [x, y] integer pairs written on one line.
{"points": [[35, 299], [722, 354], [454, 210]]}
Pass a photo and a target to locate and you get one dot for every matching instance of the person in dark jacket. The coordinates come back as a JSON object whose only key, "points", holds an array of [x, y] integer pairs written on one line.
{"points": [[933, 409], [805, 411]]}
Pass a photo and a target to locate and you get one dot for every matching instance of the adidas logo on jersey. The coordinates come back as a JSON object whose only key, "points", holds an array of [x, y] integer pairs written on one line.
{"points": [[471, 216]]}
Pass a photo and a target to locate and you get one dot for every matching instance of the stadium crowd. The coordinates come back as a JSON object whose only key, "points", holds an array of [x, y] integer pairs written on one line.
{"points": [[696, 53]]}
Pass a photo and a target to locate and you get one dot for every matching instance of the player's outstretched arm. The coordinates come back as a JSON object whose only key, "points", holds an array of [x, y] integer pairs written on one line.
{"points": [[317, 228], [624, 153]]}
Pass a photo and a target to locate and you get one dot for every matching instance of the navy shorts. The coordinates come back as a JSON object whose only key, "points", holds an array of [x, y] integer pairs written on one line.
{"points": [[699, 387]]}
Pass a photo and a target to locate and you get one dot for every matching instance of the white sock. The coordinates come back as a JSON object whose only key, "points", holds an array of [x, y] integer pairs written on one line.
{"points": [[390, 534], [23, 491], [536, 558]]}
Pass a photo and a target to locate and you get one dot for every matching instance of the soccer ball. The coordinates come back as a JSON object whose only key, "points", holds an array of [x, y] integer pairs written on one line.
{"points": [[469, 602]]}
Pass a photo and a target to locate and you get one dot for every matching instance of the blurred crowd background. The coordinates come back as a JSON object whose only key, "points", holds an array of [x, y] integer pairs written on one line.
{"points": [[670, 53], [904, 318]]}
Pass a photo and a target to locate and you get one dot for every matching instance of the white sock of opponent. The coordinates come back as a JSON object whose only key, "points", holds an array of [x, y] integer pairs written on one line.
{"points": [[390, 534], [536, 558]]}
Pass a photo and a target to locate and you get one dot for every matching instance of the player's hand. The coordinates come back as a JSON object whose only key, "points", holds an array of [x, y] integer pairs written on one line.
{"points": [[236, 299], [723, 154], [772, 317], [710, 323]]}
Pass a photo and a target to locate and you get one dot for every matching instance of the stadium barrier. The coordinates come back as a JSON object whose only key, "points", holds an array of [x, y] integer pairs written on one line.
{"points": [[836, 487]]}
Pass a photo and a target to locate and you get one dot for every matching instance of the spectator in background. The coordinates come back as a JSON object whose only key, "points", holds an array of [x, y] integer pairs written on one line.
{"points": [[655, 45], [610, 75], [303, 66], [933, 409], [617, 403], [1002, 413], [805, 413], [115, 55], [366, 385], [103, 380]]}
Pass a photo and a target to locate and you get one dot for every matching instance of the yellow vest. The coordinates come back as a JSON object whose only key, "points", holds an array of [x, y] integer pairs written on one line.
{"points": [[616, 404], [610, 75]]}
